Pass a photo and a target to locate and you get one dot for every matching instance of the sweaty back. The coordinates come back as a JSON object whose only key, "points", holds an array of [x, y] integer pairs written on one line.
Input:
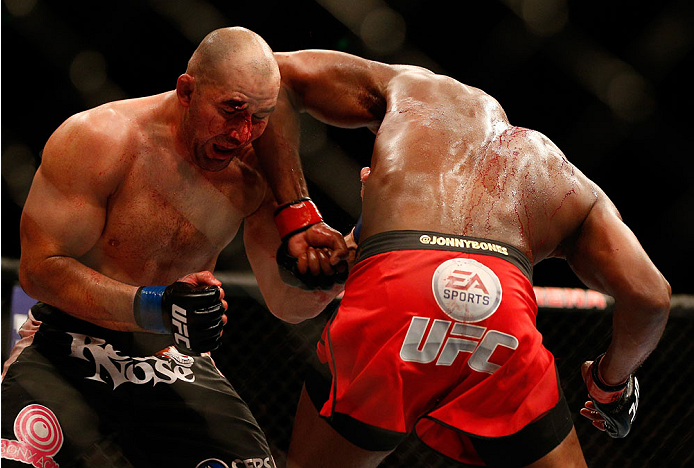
{"points": [[446, 159]]}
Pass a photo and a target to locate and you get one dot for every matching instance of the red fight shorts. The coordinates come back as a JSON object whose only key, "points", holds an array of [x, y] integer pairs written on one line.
{"points": [[436, 333]]}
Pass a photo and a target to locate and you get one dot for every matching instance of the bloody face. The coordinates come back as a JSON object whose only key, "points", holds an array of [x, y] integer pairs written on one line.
{"points": [[223, 118]]}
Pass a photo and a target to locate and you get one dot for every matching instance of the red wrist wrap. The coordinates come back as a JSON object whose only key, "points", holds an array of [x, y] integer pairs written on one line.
{"points": [[295, 215], [599, 390]]}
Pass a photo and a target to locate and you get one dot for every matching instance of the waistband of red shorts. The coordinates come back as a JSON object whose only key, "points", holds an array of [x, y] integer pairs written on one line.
{"points": [[390, 241]]}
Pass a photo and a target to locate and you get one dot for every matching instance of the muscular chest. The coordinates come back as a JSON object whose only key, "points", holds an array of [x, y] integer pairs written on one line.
{"points": [[167, 209]]}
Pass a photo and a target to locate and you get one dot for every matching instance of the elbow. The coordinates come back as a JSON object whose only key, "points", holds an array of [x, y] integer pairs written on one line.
{"points": [[661, 303], [658, 301], [295, 305], [37, 274], [278, 312], [654, 301], [287, 314], [292, 304], [291, 319], [278, 308], [27, 277]]}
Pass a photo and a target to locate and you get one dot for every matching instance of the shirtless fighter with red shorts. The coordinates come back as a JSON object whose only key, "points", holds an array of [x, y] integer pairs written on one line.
{"points": [[436, 332]]}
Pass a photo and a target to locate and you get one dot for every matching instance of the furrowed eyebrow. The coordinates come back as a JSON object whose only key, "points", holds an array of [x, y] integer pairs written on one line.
{"points": [[269, 110], [241, 105], [238, 105]]}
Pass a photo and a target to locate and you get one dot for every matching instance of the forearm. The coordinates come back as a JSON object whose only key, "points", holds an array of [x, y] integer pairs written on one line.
{"points": [[641, 310], [80, 291], [278, 153], [338, 89], [607, 257], [637, 326], [288, 303]]}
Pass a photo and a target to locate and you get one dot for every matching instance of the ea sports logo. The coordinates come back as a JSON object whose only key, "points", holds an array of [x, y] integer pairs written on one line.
{"points": [[466, 290]]}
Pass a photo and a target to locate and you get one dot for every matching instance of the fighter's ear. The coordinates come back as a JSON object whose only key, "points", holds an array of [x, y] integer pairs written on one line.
{"points": [[184, 89]]}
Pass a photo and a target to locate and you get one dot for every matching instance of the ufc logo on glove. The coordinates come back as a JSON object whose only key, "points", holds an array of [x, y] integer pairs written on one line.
{"points": [[179, 321]]}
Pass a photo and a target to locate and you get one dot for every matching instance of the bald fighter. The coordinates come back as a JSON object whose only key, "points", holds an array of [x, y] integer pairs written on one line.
{"points": [[128, 212], [436, 331]]}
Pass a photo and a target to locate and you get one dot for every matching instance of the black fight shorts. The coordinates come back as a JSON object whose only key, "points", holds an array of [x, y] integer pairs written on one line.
{"points": [[80, 395]]}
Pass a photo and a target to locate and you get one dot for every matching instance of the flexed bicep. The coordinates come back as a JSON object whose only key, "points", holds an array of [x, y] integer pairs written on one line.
{"points": [[63, 219], [65, 211], [338, 88], [59, 220]]}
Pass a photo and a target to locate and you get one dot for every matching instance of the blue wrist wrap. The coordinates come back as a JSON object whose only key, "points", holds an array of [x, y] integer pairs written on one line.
{"points": [[147, 308]]}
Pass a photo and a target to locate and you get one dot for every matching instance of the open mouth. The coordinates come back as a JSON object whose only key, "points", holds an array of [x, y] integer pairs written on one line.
{"points": [[222, 150]]}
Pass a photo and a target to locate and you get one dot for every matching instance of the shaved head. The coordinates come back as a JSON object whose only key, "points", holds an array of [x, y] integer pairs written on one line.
{"points": [[227, 94], [232, 50]]}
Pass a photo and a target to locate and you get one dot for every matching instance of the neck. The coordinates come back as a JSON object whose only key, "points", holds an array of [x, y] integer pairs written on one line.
{"points": [[172, 116]]}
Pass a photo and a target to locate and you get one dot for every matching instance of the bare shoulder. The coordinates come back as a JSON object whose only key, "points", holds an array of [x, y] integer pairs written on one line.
{"points": [[100, 130], [560, 195], [536, 154], [416, 82], [249, 164], [92, 145], [101, 126], [570, 194], [245, 175], [444, 94]]}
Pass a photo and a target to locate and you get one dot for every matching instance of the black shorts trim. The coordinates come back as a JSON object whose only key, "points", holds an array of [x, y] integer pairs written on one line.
{"points": [[362, 435], [429, 240], [526, 446], [529, 444]]}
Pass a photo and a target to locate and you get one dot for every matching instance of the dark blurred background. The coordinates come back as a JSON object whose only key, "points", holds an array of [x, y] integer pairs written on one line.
{"points": [[608, 82], [605, 80]]}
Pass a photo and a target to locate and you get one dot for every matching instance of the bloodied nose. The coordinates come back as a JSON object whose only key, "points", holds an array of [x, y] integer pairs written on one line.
{"points": [[242, 130]]}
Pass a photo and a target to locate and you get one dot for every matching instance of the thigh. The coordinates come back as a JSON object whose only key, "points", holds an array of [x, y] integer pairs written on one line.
{"points": [[47, 415], [184, 423], [567, 454], [166, 409], [548, 442], [315, 444]]}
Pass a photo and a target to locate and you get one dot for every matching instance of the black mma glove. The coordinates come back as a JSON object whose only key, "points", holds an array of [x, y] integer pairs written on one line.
{"points": [[192, 314], [293, 218], [616, 404]]}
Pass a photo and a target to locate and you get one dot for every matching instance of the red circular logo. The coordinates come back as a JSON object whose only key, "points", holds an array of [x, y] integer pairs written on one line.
{"points": [[38, 427]]}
